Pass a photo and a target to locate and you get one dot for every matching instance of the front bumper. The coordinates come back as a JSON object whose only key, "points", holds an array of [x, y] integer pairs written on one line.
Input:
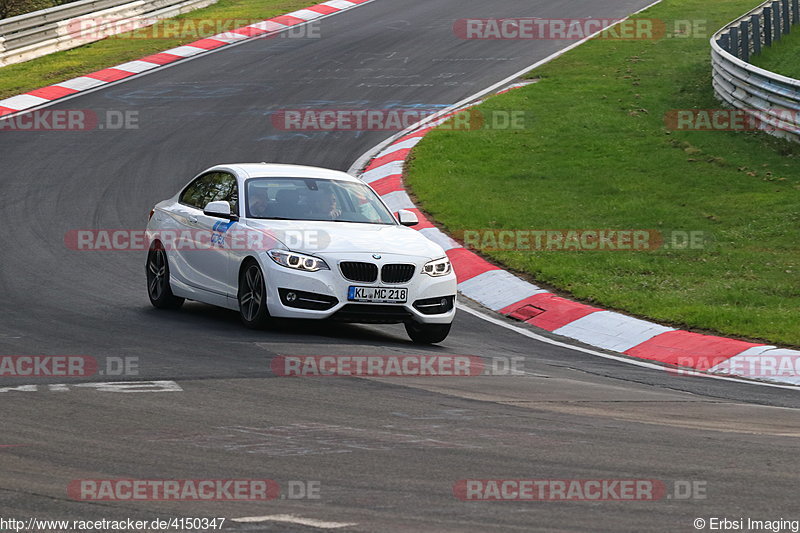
{"points": [[323, 294]]}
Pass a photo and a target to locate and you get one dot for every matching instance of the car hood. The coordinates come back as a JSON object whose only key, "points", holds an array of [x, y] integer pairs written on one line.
{"points": [[344, 237]]}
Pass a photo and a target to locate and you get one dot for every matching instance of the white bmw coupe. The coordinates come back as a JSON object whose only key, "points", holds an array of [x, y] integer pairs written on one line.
{"points": [[293, 241]]}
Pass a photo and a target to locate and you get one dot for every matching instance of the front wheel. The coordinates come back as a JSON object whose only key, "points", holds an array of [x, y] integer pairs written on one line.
{"points": [[427, 333], [253, 296], [158, 288]]}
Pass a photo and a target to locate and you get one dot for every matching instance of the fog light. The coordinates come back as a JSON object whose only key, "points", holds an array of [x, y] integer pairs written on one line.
{"points": [[444, 302], [290, 296]]}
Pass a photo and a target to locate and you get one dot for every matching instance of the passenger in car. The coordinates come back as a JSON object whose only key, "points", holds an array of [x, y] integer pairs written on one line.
{"points": [[327, 207]]}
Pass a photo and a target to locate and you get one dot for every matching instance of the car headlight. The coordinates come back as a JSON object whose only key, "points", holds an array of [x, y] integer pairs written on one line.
{"points": [[297, 261], [437, 267]]}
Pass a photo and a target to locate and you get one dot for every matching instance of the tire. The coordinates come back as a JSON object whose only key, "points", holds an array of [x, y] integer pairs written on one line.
{"points": [[252, 296], [158, 287], [427, 333]]}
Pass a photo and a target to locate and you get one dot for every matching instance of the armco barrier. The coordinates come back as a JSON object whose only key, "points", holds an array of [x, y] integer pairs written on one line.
{"points": [[772, 100], [42, 32]]}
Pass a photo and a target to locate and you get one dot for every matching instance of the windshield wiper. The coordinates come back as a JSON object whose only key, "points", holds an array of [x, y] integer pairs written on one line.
{"points": [[362, 222], [323, 220]]}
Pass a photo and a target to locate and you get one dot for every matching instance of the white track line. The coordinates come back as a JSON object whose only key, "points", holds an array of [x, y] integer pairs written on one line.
{"points": [[636, 362], [292, 519]]}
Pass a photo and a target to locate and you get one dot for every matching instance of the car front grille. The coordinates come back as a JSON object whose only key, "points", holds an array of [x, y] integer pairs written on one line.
{"points": [[400, 273], [355, 271]]}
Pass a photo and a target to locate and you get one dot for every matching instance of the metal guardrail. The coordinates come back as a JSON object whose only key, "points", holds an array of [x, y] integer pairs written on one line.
{"points": [[772, 101], [63, 27]]}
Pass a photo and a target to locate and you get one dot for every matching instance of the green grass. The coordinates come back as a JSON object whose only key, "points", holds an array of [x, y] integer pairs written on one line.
{"points": [[60, 66], [598, 155], [782, 56]]}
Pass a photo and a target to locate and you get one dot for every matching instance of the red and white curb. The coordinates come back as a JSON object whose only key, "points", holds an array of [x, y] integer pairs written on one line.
{"points": [[262, 29], [514, 297]]}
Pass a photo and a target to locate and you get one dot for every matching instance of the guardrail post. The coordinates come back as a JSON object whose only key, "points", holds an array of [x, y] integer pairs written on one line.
{"points": [[755, 23], [734, 34], [745, 29], [724, 42], [767, 26], [795, 11], [776, 20], [785, 16]]}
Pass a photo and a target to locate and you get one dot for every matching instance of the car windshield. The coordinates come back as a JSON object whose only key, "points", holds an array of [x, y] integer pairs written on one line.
{"points": [[314, 199]]}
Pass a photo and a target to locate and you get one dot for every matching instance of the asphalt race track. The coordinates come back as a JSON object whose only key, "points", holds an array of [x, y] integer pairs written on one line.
{"points": [[386, 452]]}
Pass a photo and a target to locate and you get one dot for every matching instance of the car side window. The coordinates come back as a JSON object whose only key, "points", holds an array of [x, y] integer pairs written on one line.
{"points": [[212, 187]]}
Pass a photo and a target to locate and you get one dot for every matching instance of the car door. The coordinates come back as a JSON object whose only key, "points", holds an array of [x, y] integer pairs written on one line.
{"points": [[207, 258], [180, 238], [215, 264]]}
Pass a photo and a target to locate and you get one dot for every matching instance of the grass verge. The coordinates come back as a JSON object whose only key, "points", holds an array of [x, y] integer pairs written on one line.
{"points": [[60, 66], [781, 57], [598, 155]]}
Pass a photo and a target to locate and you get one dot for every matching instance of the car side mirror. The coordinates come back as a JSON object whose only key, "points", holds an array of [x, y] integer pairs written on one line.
{"points": [[219, 209], [407, 218]]}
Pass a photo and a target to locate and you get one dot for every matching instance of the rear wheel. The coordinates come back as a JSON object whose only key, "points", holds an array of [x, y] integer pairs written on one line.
{"points": [[427, 333], [253, 296], [158, 288]]}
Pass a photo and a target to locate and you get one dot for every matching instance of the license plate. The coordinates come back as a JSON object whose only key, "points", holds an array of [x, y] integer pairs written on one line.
{"points": [[382, 295]]}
